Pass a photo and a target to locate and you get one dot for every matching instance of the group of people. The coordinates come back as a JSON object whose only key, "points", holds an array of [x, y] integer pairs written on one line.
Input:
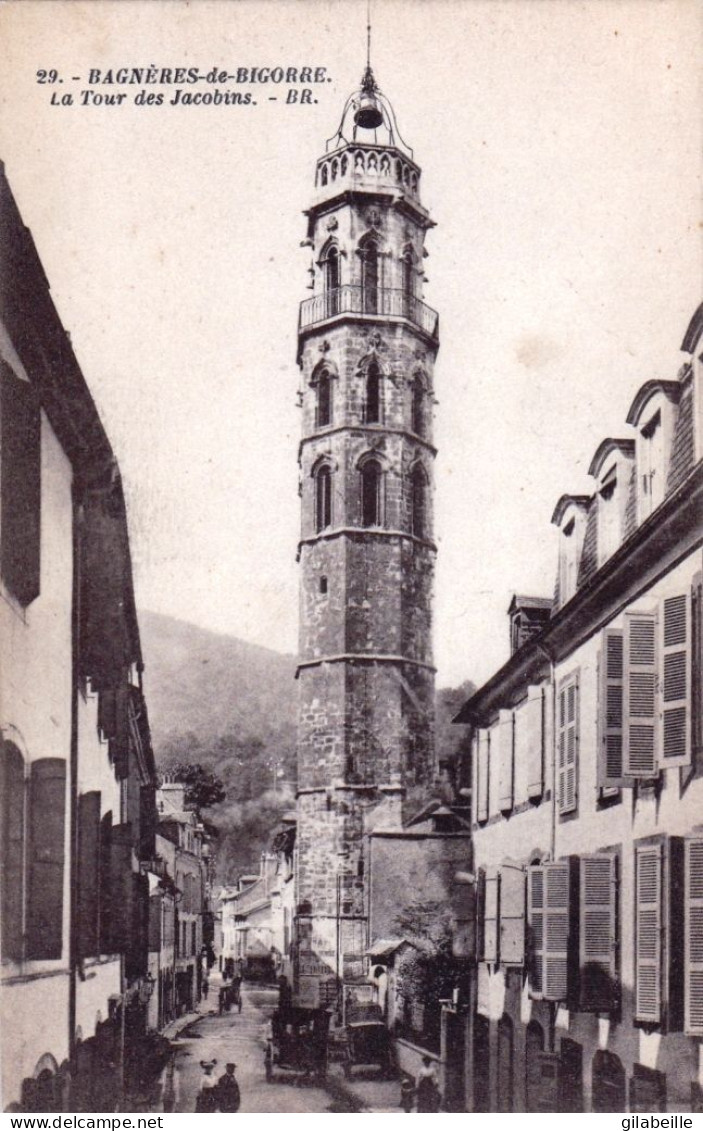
{"points": [[218, 1094], [423, 1092], [230, 994]]}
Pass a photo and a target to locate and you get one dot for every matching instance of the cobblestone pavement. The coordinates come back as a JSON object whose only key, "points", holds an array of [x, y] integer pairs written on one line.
{"points": [[239, 1037]]}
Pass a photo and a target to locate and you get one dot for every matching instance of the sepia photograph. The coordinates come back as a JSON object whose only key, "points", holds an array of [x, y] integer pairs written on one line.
{"points": [[351, 557]]}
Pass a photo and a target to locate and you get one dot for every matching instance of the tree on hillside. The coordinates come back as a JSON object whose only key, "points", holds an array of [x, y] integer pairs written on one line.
{"points": [[203, 788]]}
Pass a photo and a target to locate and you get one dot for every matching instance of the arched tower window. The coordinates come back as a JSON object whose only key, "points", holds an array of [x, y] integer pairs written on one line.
{"points": [[417, 406], [372, 414], [408, 266], [324, 400], [418, 501], [371, 482], [331, 275], [323, 498], [370, 277]]}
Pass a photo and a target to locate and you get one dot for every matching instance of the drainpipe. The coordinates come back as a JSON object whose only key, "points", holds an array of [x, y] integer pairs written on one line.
{"points": [[552, 679], [77, 529]]}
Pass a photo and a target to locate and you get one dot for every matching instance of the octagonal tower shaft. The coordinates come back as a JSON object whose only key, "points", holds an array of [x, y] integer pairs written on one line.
{"points": [[367, 345]]}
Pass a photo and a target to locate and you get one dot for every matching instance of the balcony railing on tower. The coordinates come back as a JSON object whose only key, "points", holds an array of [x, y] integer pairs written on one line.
{"points": [[382, 301]]}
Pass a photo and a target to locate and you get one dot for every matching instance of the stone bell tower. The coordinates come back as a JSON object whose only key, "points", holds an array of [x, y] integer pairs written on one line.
{"points": [[367, 345]]}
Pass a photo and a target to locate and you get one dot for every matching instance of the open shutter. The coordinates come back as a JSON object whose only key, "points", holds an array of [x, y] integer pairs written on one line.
{"points": [[490, 917], [480, 912], [20, 482], [697, 670], [47, 824], [693, 937], [512, 915], [676, 682], [88, 874], [532, 719], [482, 771], [648, 933], [639, 747], [568, 744], [556, 931], [12, 791], [597, 933], [122, 890], [505, 735], [535, 929], [612, 673]]}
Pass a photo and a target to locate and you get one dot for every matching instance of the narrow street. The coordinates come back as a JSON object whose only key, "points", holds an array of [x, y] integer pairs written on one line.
{"points": [[241, 1038]]}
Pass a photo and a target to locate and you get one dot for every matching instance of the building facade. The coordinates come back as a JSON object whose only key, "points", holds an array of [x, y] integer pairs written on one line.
{"points": [[367, 345], [588, 793], [77, 791]]}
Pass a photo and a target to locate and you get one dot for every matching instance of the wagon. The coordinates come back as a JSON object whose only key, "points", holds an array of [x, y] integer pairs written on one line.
{"points": [[296, 1050]]}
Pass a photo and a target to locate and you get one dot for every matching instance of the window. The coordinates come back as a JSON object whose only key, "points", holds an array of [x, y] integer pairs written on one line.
{"points": [[47, 809], [370, 277], [639, 696], [570, 1076], [417, 406], [505, 1064], [652, 464], [505, 740], [372, 413], [418, 501], [324, 400], [330, 267], [548, 887], [512, 915], [408, 270], [610, 714], [88, 940], [323, 584], [568, 727], [20, 480], [323, 498], [609, 1083], [534, 1049], [371, 481], [609, 516]]}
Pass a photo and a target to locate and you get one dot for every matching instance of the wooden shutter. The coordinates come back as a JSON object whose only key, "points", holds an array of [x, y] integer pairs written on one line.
{"points": [[106, 904], [676, 682], [490, 917], [535, 928], [611, 691], [697, 671], [648, 894], [556, 931], [122, 890], [568, 724], [482, 774], [480, 912], [532, 718], [512, 915], [12, 840], [597, 933], [693, 937], [505, 735], [20, 480], [155, 921], [639, 747], [47, 825], [88, 866]]}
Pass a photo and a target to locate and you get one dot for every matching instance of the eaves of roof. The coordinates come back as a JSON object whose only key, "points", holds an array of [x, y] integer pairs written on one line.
{"points": [[654, 547]]}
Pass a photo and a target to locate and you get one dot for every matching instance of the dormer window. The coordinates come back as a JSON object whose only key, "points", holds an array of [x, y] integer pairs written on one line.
{"points": [[611, 467], [570, 517], [653, 414], [652, 464]]}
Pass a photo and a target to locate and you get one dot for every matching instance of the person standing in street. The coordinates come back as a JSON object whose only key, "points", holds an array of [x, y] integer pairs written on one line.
{"points": [[427, 1090], [228, 1094]]}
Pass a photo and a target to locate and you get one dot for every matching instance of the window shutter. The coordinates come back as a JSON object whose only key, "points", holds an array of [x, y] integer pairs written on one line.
{"points": [[47, 824], [490, 917], [505, 735], [535, 928], [597, 933], [568, 745], [697, 671], [88, 874], [639, 748], [512, 915], [648, 933], [610, 764], [533, 720], [106, 906], [556, 931], [20, 479], [693, 937], [482, 769], [12, 840], [155, 918], [480, 912], [122, 890], [676, 682]]}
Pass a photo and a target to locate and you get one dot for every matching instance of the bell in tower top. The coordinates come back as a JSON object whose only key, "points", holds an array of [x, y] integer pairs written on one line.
{"points": [[368, 114]]}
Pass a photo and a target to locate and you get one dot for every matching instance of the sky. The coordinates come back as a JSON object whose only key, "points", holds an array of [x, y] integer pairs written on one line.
{"points": [[559, 143]]}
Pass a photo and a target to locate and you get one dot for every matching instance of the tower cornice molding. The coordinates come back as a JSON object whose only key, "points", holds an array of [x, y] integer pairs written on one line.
{"points": [[366, 430], [360, 197], [360, 319], [363, 658], [364, 532]]}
